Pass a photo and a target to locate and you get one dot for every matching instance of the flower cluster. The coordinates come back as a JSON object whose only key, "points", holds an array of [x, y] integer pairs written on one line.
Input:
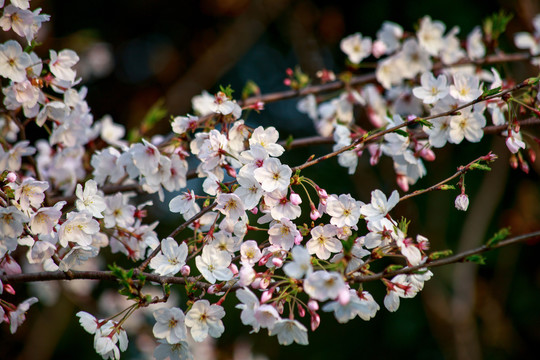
{"points": [[247, 229]]}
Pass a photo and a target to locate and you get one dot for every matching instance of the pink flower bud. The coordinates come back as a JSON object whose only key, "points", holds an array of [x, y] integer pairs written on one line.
{"points": [[411, 117], [185, 270], [295, 199], [9, 289], [402, 182], [234, 269], [427, 154], [10, 266], [322, 193], [532, 155], [256, 283], [11, 177], [314, 214], [254, 211], [277, 262], [301, 311], [524, 167], [279, 307], [266, 296], [212, 289], [298, 239], [315, 321], [344, 296], [313, 305], [287, 82], [514, 162], [462, 202], [378, 48], [289, 72], [265, 282], [265, 259], [230, 171], [258, 106]]}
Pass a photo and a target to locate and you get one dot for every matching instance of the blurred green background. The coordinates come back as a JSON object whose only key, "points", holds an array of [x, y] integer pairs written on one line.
{"points": [[137, 52]]}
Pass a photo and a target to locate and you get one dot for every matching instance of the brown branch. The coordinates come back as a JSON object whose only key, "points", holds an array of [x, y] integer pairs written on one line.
{"points": [[108, 275], [448, 260], [461, 170], [369, 78]]}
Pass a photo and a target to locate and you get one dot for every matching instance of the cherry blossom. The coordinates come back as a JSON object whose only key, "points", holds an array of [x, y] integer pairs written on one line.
{"points": [[170, 325], [356, 47], [171, 258], [204, 319]]}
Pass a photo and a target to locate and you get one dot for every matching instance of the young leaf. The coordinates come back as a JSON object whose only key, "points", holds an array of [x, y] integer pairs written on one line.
{"points": [[477, 259], [498, 236]]}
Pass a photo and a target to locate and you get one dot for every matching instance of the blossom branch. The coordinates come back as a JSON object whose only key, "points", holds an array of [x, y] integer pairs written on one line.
{"points": [[461, 170], [367, 78], [108, 275], [176, 232], [461, 257]]}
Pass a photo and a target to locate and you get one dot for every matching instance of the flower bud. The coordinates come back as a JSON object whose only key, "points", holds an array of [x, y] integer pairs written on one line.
{"points": [[254, 211], [10, 266], [462, 202], [295, 199], [314, 214], [234, 269], [532, 155], [265, 282], [230, 171], [185, 270], [298, 239], [322, 193], [378, 48], [277, 262], [313, 305], [9, 289], [301, 311], [212, 289], [266, 296], [11, 177], [402, 182], [524, 166], [315, 321], [513, 162], [256, 284]]}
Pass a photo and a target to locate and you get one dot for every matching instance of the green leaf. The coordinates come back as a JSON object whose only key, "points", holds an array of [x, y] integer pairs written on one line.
{"points": [[480, 167], [427, 123], [490, 92], [495, 25], [477, 259], [394, 267], [440, 254], [498, 236], [250, 89], [227, 91], [447, 187], [403, 225], [401, 132], [156, 113], [289, 141]]}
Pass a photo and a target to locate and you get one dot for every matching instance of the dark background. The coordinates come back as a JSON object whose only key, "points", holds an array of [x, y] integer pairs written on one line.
{"points": [[172, 50]]}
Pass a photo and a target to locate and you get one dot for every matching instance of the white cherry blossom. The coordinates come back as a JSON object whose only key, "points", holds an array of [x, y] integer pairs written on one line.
{"points": [[204, 319], [171, 258]]}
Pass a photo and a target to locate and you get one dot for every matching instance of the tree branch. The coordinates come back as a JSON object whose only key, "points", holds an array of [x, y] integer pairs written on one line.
{"points": [[107, 275]]}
